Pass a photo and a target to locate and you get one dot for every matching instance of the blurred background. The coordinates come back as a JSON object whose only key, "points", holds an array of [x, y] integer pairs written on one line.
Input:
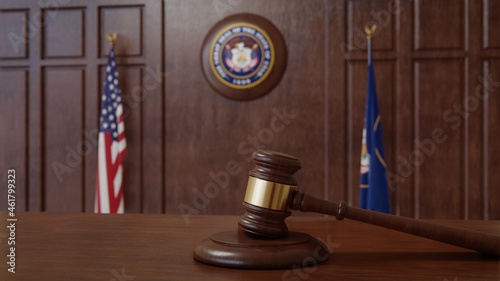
{"points": [[437, 69]]}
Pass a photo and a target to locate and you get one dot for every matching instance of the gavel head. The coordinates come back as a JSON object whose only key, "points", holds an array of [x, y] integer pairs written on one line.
{"points": [[270, 189]]}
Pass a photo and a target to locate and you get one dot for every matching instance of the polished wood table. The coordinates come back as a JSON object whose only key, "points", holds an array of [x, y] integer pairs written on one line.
{"points": [[54, 246]]}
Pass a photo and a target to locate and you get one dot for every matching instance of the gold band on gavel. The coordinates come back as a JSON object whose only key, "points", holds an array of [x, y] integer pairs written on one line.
{"points": [[266, 194]]}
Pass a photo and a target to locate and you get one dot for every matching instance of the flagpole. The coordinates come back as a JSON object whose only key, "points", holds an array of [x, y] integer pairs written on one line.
{"points": [[370, 31]]}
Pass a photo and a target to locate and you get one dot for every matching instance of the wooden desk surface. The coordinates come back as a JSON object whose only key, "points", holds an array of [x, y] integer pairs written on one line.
{"points": [[51, 246]]}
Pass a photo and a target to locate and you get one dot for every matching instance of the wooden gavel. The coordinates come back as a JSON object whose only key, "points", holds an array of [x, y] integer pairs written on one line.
{"points": [[272, 192]]}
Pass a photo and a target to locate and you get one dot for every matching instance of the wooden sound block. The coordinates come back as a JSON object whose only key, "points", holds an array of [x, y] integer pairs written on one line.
{"points": [[238, 249]]}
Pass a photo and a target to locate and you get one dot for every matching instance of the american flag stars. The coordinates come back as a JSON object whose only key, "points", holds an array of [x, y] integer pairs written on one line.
{"points": [[111, 101]]}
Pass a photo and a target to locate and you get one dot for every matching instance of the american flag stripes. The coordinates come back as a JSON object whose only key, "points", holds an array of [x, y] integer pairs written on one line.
{"points": [[112, 145]]}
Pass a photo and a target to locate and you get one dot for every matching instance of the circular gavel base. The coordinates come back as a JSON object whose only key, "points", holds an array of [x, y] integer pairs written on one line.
{"points": [[237, 249]]}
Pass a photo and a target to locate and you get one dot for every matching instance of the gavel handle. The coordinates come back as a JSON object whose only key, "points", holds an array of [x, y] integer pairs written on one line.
{"points": [[474, 240]]}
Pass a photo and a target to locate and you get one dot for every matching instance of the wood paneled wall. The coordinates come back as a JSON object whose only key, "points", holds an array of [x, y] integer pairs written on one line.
{"points": [[437, 67], [52, 57]]}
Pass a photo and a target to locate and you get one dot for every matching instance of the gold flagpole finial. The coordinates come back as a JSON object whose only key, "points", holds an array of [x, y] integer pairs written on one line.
{"points": [[370, 31], [111, 38]]}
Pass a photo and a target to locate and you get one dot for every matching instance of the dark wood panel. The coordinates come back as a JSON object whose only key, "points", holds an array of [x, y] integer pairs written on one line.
{"points": [[491, 21], [63, 147], [184, 138], [14, 140], [36, 167], [64, 33], [439, 139], [153, 104], [404, 182], [129, 31], [335, 104], [13, 33], [474, 185], [92, 100], [438, 25], [196, 118], [301, 92], [215, 131], [492, 150]]}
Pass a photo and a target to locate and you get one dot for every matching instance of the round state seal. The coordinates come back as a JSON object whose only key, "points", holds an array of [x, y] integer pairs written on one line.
{"points": [[243, 56]]}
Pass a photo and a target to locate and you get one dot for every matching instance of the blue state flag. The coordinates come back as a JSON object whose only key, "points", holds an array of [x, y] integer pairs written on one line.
{"points": [[373, 185]]}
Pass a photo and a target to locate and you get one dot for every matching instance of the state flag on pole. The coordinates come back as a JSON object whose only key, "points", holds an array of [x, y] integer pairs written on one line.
{"points": [[112, 145], [373, 184]]}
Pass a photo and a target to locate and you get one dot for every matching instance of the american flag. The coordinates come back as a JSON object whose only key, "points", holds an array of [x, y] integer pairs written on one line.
{"points": [[112, 145]]}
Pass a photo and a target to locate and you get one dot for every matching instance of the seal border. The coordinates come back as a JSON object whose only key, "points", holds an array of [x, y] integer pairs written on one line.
{"points": [[274, 76]]}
